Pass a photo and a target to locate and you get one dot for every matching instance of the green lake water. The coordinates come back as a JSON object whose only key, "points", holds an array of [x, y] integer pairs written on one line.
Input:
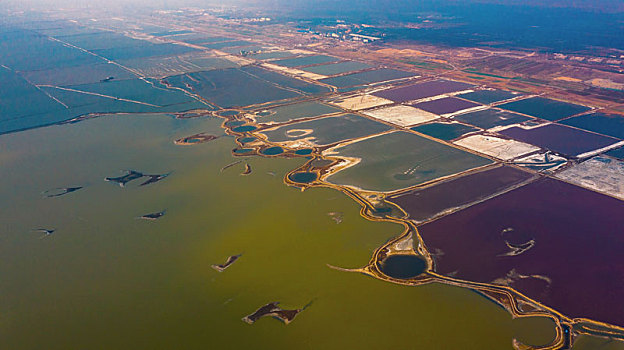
{"points": [[106, 280]]}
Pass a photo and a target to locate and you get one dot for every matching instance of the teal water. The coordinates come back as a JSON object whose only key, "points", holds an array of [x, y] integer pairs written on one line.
{"points": [[303, 177], [272, 151]]}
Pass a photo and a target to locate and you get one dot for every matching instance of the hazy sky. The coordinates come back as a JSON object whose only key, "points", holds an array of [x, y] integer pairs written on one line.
{"points": [[600, 5]]}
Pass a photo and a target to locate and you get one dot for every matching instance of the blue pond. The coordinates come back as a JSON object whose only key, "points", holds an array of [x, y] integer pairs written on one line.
{"points": [[272, 151], [228, 113], [403, 266], [246, 139], [304, 177], [244, 128], [304, 152]]}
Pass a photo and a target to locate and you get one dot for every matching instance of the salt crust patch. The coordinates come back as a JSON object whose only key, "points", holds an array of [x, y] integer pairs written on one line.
{"points": [[600, 174], [496, 147], [359, 102], [402, 115]]}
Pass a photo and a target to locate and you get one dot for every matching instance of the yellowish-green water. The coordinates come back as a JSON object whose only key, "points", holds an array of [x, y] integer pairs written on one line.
{"points": [[106, 280]]}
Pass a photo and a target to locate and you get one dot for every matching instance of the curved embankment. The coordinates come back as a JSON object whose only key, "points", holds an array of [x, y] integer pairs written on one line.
{"points": [[409, 246]]}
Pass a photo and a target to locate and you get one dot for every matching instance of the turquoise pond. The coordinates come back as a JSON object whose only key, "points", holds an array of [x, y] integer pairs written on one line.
{"points": [[273, 151], [304, 177]]}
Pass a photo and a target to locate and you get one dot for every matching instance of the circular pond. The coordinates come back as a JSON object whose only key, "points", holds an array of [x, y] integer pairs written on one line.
{"points": [[304, 177], [246, 139], [244, 128], [272, 151], [403, 266]]}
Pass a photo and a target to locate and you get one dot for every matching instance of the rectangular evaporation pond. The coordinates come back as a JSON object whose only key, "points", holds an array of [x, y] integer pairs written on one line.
{"points": [[64, 30], [337, 68], [283, 80], [446, 105], [444, 131], [18, 98], [489, 96], [81, 104], [172, 32], [217, 46], [306, 60], [144, 50], [607, 124], [295, 111], [136, 90], [85, 74], [327, 130], [559, 138], [491, 118], [399, 160], [423, 90], [427, 203], [544, 108], [199, 40], [231, 87], [369, 77], [171, 65], [271, 55], [548, 239], [26, 51], [102, 40], [616, 153]]}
